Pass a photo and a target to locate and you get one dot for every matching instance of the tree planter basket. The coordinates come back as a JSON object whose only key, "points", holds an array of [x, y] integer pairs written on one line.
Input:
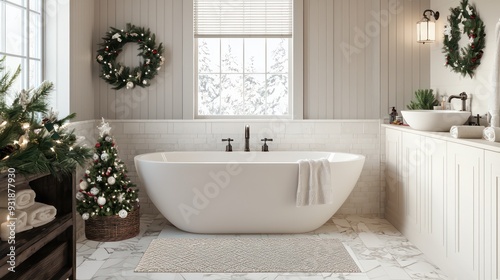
{"points": [[113, 228]]}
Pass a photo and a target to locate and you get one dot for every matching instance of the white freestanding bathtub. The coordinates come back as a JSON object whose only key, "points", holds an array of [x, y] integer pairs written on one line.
{"points": [[238, 192]]}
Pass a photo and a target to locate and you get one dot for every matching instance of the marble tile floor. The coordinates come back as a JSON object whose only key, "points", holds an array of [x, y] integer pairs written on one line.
{"points": [[378, 248]]}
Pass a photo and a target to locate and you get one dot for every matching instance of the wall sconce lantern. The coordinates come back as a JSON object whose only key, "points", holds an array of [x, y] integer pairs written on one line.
{"points": [[426, 29]]}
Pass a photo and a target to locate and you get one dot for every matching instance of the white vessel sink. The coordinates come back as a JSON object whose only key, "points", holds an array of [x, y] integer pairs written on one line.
{"points": [[434, 120]]}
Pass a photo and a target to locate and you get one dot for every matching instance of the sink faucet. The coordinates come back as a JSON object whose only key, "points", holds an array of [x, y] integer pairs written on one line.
{"points": [[247, 138], [462, 96]]}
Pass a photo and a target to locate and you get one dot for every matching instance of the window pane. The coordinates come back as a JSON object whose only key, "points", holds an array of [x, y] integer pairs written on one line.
{"points": [[255, 55], [36, 5], [15, 30], [17, 2], [208, 94], [209, 55], [231, 94], [232, 55], [255, 94], [35, 75], [277, 94], [277, 55], [11, 64], [35, 35]]}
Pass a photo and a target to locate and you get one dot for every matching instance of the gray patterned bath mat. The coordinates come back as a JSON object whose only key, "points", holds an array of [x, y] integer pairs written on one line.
{"points": [[241, 254]]}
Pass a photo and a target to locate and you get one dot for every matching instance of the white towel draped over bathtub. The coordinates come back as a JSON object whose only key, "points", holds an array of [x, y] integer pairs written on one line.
{"points": [[314, 183]]}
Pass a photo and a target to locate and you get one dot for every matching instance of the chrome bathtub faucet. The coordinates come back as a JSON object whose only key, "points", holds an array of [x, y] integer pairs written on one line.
{"points": [[247, 138]]}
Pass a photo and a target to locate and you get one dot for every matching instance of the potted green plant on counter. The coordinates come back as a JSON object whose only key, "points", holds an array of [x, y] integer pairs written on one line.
{"points": [[424, 100]]}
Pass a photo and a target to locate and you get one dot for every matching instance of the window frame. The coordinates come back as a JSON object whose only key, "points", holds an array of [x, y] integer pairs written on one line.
{"points": [[296, 68], [290, 87], [26, 58]]}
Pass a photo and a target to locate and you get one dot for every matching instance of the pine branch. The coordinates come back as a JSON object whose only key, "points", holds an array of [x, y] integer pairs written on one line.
{"points": [[7, 79]]}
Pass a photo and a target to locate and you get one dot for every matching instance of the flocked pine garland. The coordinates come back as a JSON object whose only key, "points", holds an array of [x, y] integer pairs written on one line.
{"points": [[105, 189], [33, 140], [119, 75], [464, 20]]}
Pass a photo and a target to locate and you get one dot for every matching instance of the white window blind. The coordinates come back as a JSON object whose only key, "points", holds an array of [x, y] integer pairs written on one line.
{"points": [[243, 18]]}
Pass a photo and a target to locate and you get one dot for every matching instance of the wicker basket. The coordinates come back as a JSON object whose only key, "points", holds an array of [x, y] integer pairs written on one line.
{"points": [[113, 228]]}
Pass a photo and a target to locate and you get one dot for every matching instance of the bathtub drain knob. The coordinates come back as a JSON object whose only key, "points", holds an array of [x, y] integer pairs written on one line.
{"points": [[229, 148]]}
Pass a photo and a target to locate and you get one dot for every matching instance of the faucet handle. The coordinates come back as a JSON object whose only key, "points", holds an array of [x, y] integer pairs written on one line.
{"points": [[265, 147], [229, 148]]}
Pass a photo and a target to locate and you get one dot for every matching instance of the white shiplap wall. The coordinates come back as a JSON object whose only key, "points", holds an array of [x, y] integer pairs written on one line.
{"points": [[361, 57], [385, 67], [163, 99]]}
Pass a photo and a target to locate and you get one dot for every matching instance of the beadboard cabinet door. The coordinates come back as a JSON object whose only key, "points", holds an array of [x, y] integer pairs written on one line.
{"points": [[412, 166], [433, 196], [490, 256], [394, 207], [465, 183]]}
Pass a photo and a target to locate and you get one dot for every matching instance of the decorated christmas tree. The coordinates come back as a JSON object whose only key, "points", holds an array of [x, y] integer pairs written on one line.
{"points": [[32, 138], [105, 189]]}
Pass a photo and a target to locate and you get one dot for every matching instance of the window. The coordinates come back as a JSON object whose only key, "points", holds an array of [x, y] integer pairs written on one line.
{"points": [[21, 40], [243, 57]]}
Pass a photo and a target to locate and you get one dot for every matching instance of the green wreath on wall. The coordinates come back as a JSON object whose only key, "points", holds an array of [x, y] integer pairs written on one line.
{"points": [[464, 20], [120, 75]]}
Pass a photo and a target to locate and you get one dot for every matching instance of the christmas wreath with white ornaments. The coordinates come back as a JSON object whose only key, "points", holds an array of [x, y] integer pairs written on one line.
{"points": [[119, 75], [464, 20]]}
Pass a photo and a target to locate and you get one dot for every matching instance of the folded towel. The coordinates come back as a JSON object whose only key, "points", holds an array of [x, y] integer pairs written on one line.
{"points": [[40, 214], [467, 132], [24, 199], [314, 183], [21, 218], [492, 134]]}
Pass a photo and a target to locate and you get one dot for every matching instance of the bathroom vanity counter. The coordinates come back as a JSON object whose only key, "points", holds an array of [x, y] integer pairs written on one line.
{"points": [[445, 136]]}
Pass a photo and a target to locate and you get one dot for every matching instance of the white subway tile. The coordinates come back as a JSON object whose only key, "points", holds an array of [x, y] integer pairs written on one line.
{"points": [[189, 128], [328, 128], [133, 128]]}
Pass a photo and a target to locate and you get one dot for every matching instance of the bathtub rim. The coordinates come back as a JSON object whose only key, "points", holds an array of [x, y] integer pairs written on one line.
{"points": [[350, 157]]}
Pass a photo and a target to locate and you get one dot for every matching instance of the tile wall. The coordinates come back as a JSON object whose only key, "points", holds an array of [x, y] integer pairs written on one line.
{"points": [[134, 137]]}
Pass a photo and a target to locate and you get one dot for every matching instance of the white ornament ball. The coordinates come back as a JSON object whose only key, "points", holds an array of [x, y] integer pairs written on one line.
{"points": [[87, 171], [145, 82], [123, 213], [130, 85], [94, 191], [105, 156], [101, 200], [111, 180], [83, 185], [95, 157], [79, 196], [108, 139], [85, 216]]}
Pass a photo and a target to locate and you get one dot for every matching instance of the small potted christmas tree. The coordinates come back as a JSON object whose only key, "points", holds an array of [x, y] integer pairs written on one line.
{"points": [[107, 199]]}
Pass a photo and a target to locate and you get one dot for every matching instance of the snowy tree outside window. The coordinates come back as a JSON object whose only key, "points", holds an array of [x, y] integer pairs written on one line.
{"points": [[243, 77]]}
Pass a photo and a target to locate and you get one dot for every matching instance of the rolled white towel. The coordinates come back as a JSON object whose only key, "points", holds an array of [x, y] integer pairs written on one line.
{"points": [[40, 214], [467, 132], [492, 134], [24, 199], [21, 218]]}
